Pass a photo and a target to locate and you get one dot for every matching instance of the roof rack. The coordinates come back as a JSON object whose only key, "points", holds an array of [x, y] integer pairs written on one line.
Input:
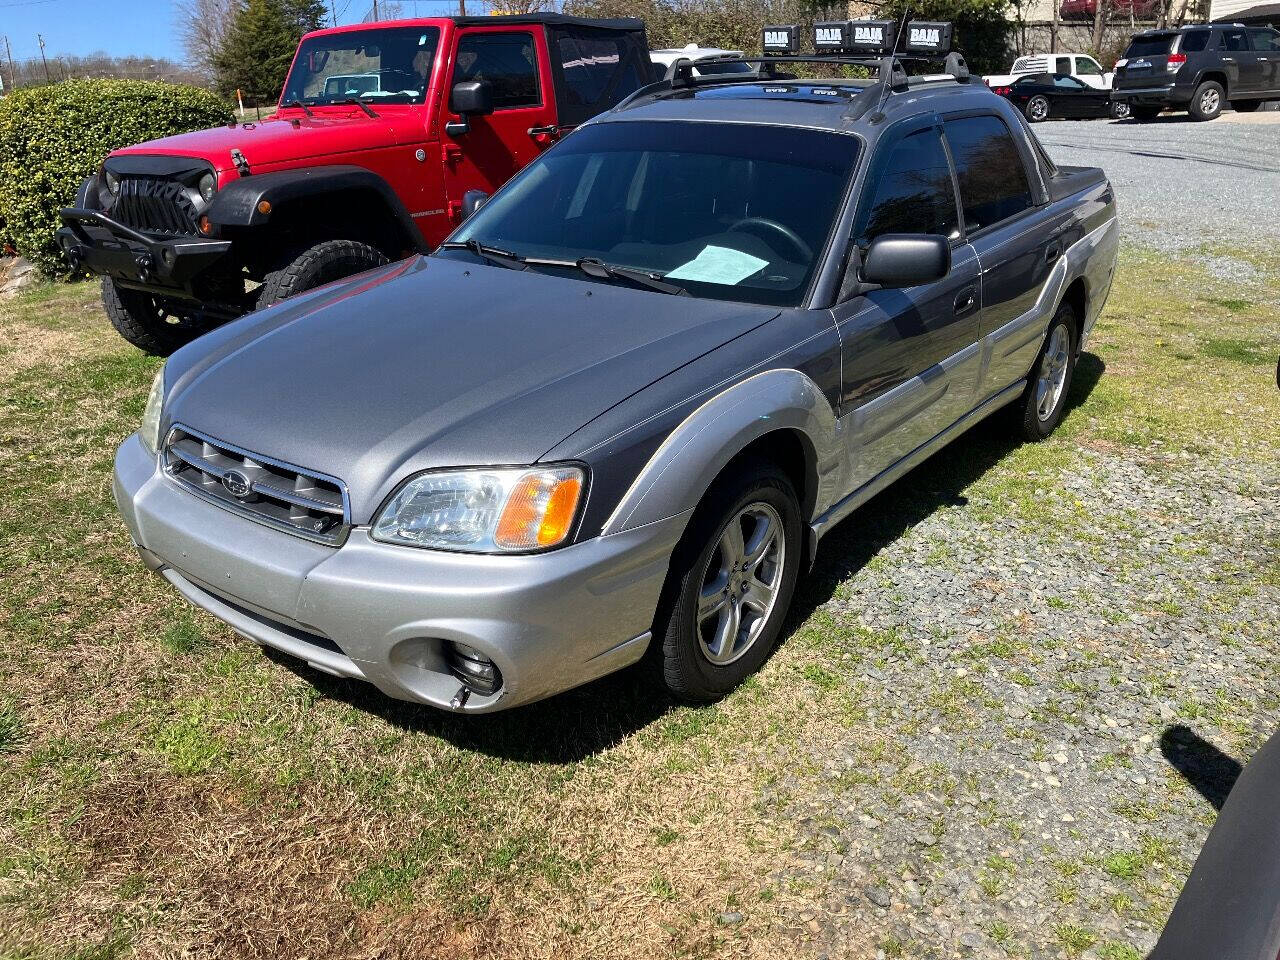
{"points": [[889, 68]]}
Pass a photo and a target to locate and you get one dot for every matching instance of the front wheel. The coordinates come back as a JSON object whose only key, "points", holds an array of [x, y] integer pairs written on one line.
{"points": [[1037, 109], [150, 323], [731, 583], [1207, 102], [1045, 398], [316, 266], [1245, 106]]}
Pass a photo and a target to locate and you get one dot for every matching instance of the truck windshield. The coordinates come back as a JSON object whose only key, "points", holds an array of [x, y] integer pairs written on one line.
{"points": [[727, 211], [378, 65]]}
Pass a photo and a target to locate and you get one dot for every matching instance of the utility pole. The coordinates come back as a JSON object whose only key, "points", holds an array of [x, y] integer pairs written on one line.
{"points": [[43, 60], [462, 8], [375, 11], [8, 55]]}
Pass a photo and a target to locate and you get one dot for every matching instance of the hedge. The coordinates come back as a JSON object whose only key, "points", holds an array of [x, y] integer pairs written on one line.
{"points": [[53, 137]]}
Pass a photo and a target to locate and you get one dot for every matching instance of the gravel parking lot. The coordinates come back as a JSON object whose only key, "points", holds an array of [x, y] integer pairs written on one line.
{"points": [[1181, 183]]}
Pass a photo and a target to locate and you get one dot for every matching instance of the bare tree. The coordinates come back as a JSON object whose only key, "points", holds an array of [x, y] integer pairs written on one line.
{"points": [[202, 25]]}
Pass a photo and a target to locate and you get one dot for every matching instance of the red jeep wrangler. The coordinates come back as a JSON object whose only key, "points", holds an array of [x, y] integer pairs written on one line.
{"points": [[384, 134]]}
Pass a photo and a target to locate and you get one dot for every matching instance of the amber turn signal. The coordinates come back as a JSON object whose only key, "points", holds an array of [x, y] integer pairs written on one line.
{"points": [[205, 226], [264, 206], [540, 509]]}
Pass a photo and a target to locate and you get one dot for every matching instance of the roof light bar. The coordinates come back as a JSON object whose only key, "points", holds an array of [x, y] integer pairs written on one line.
{"points": [[864, 38], [780, 40]]}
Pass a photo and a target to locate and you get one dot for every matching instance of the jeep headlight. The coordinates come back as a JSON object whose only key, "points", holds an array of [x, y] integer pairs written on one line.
{"points": [[208, 185], [499, 510], [149, 431]]}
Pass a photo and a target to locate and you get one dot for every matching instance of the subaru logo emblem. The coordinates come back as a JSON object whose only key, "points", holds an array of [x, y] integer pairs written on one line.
{"points": [[236, 483]]}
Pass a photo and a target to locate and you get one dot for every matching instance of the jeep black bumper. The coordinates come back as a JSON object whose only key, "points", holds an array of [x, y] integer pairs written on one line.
{"points": [[93, 241]]}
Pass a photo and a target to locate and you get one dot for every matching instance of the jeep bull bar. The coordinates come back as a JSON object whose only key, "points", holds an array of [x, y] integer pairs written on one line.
{"points": [[92, 240]]}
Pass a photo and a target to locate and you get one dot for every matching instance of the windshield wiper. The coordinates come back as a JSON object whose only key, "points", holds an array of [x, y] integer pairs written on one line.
{"points": [[503, 258], [361, 104], [299, 103], [653, 281]]}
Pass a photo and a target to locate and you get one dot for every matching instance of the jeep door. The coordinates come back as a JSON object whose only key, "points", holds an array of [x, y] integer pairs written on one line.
{"points": [[1017, 236], [512, 60], [908, 355]]}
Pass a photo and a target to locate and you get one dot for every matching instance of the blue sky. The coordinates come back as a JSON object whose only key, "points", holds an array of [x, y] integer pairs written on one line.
{"points": [[124, 27]]}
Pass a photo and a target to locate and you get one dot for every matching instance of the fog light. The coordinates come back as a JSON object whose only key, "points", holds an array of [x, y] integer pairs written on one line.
{"points": [[476, 671], [205, 226]]}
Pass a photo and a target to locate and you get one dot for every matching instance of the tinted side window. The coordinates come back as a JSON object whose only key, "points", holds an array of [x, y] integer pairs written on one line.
{"points": [[1062, 65], [914, 192], [589, 63], [1265, 40], [1193, 41], [993, 180], [1233, 40], [507, 61], [1064, 82], [1087, 68]]}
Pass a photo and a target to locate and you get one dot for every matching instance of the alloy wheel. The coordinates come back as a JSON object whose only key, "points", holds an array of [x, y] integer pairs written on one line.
{"points": [[740, 584], [1209, 101], [1038, 108], [1053, 373]]}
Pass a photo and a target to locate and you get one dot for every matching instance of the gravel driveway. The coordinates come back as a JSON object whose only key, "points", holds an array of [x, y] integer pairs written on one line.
{"points": [[1181, 183]]}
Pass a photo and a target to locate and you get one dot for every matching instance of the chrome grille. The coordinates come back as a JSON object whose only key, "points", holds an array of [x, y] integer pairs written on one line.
{"points": [[298, 501], [157, 206]]}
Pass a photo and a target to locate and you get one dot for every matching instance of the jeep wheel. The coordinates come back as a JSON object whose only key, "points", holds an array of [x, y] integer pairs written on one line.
{"points": [[1245, 106], [1145, 114], [1120, 110], [731, 584], [1037, 109], [1045, 397], [321, 264], [1207, 101], [147, 322]]}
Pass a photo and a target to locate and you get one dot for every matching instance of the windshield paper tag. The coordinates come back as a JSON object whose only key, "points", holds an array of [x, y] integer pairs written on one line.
{"points": [[718, 265]]}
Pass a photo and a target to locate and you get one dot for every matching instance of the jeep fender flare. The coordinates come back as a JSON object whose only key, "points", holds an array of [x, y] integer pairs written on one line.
{"points": [[678, 474], [238, 203]]}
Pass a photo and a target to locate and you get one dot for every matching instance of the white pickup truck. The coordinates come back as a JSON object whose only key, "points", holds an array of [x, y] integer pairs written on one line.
{"points": [[1079, 65]]}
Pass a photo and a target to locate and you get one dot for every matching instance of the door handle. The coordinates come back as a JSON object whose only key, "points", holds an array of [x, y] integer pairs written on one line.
{"points": [[1228, 59], [1052, 252], [966, 300]]}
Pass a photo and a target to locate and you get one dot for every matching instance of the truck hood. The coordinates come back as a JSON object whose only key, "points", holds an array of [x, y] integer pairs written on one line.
{"points": [[270, 142], [435, 362]]}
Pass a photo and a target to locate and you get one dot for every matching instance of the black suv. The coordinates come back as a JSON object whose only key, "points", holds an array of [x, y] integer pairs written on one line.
{"points": [[1199, 69]]}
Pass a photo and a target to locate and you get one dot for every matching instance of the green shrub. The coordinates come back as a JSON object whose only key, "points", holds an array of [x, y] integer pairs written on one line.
{"points": [[52, 138]]}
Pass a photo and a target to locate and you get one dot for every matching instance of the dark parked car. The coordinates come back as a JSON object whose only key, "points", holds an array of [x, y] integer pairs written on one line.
{"points": [[1199, 69], [621, 405], [1045, 96]]}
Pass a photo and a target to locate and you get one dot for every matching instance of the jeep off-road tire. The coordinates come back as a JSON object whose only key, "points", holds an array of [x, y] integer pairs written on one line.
{"points": [[726, 586], [1145, 114], [1245, 106], [316, 266], [1208, 100], [1045, 399], [147, 323]]}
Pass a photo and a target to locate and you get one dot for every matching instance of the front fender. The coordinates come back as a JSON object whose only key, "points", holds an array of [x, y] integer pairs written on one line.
{"points": [[238, 203], [684, 466]]}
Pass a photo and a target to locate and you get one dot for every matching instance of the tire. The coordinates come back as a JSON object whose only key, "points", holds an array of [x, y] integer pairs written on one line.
{"points": [[697, 666], [1145, 114], [1245, 106], [147, 322], [1037, 109], [1206, 102], [316, 266], [1045, 398], [1120, 110]]}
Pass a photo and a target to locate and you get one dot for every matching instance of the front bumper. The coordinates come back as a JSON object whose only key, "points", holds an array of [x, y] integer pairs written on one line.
{"points": [[93, 241], [382, 613]]}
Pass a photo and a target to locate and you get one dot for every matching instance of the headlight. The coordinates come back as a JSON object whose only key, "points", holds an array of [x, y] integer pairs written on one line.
{"points": [[113, 183], [484, 511], [149, 431], [208, 184]]}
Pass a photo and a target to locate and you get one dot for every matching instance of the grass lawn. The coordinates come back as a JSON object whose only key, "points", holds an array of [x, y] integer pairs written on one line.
{"points": [[166, 786]]}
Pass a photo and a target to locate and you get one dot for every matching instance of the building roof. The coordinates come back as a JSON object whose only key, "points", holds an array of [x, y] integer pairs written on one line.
{"points": [[1262, 13]]}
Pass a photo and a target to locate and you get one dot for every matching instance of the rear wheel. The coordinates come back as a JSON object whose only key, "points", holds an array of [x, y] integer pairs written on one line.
{"points": [[316, 266], [1037, 109], [1245, 106], [731, 583], [1045, 398], [1120, 109], [1145, 113], [150, 323], [1207, 101]]}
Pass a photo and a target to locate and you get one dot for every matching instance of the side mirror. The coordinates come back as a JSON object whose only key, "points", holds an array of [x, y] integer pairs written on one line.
{"points": [[906, 260], [472, 200], [471, 98]]}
